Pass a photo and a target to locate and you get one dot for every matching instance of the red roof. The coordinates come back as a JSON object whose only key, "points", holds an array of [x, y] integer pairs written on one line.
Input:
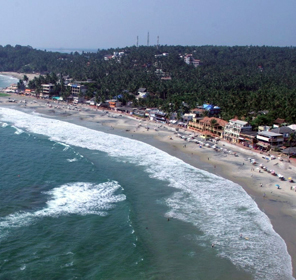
{"points": [[197, 110], [207, 120], [207, 133], [279, 121]]}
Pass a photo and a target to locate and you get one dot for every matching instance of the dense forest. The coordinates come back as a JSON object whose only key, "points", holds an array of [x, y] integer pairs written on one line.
{"points": [[239, 79]]}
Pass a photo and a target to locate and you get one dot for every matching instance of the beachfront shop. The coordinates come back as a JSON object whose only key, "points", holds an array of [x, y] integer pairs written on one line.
{"points": [[247, 139], [267, 140], [262, 146]]}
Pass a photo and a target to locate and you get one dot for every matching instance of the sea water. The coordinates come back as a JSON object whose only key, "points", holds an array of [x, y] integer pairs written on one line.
{"points": [[6, 81], [78, 203]]}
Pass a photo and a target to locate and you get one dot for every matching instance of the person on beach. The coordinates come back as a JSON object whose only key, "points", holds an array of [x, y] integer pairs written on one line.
{"points": [[261, 185]]}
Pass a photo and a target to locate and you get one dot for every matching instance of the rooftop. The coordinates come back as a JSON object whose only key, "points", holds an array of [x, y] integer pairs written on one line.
{"points": [[238, 122], [269, 134]]}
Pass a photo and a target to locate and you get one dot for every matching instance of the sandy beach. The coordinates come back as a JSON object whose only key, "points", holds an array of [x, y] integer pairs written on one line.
{"points": [[20, 75], [231, 161]]}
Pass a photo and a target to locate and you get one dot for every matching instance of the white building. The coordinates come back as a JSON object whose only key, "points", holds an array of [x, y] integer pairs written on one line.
{"points": [[77, 89], [234, 128], [47, 88]]}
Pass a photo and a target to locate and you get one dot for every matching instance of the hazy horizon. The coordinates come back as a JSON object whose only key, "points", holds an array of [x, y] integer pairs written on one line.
{"points": [[97, 24]]}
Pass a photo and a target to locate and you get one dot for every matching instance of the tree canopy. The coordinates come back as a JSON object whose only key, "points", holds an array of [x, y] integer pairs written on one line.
{"points": [[239, 79]]}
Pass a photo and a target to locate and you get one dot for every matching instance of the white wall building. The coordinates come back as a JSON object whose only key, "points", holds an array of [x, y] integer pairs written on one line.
{"points": [[233, 129]]}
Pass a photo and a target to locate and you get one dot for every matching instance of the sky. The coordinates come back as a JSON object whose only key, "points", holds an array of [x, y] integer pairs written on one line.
{"points": [[102, 24]]}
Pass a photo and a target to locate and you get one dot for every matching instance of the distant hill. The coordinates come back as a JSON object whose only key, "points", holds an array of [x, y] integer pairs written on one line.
{"points": [[238, 79]]}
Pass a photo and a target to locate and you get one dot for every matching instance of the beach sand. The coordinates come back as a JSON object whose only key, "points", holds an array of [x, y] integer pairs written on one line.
{"points": [[20, 76], [278, 204]]}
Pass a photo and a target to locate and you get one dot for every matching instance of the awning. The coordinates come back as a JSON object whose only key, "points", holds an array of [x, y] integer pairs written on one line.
{"points": [[262, 144], [241, 138]]}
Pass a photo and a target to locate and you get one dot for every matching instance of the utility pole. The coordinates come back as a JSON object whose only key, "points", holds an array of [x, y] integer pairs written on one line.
{"points": [[137, 41]]}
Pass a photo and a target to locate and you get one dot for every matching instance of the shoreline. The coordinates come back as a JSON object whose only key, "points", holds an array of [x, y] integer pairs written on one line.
{"points": [[278, 204], [20, 76]]}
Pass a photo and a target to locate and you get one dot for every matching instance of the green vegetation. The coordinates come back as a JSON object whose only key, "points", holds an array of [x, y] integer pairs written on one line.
{"points": [[239, 79], [3, 94]]}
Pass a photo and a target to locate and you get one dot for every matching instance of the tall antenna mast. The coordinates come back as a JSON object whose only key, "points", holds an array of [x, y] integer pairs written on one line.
{"points": [[157, 42], [148, 39], [137, 41]]}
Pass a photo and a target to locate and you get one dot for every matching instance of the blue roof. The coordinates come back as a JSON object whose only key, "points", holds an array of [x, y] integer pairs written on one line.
{"points": [[118, 96], [207, 106]]}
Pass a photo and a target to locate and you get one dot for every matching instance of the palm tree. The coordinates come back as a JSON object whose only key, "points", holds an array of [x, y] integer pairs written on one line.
{"points": [[213, 124], [25, 78], [21, 85], [291, 138]]}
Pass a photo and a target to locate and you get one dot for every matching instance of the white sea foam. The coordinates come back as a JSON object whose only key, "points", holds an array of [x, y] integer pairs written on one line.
{"points": [[5, 77], [17, 130], [63, 144], [23, 267], [74, 198], [72, 159], [218, 207]]}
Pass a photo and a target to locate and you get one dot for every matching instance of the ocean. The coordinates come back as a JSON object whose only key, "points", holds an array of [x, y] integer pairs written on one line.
{"points": [[69, 50], [81, 203], [6, 81], [78, 203]]}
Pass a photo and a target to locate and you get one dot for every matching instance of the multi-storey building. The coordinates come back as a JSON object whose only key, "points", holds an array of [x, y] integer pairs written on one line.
{"points": [[213, 126], [77, 89], [267, 139], [47, 89], [233, 130]]}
